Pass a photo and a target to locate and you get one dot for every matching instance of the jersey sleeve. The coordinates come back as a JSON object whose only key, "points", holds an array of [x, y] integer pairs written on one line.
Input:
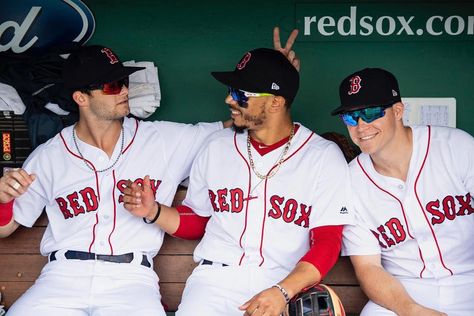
{"points": [[182, 147], [357, 239], [332, 197], [29, 206], [465, 161]]}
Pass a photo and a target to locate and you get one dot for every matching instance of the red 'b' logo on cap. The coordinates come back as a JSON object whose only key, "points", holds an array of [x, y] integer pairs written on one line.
{"points": [[110, 55], [355, 85], [244, 61]]}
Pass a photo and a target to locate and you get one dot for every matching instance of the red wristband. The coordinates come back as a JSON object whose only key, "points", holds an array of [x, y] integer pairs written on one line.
{"points": [[6, 213]]}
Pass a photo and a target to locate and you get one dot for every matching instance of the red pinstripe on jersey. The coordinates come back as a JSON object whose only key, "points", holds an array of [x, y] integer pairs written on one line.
{"points": [[248, 197], [133, 137], [421, 206], [115, 214]]}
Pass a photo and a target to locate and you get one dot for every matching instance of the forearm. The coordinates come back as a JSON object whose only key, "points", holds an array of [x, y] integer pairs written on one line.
{"points": [[179, 222], [303, 275], [168, 219], [8, 229], [324, 251], [382, 288]]}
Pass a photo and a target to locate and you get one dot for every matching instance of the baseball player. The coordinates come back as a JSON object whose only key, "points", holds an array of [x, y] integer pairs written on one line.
{"points": [[100, 255], [270, 193], [413, 186]]}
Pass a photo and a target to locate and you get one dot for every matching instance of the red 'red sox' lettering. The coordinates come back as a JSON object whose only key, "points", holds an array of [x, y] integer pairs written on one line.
{"points": [[392, 233], [450, 208], [225, 200], [77, 203], [87, 200], [288, 210]]}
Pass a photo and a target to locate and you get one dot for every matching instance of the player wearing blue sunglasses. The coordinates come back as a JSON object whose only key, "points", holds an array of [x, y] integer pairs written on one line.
{"points": [[368, 97], [405, 186]]}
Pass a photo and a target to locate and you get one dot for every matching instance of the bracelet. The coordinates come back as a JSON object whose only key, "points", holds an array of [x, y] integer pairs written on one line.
{"points": [[283, 291], [156, 216]]}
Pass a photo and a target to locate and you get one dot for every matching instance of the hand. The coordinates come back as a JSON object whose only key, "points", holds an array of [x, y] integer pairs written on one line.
{"points": [[269, 302], [140, 200], [14, 183], [290, 54]]}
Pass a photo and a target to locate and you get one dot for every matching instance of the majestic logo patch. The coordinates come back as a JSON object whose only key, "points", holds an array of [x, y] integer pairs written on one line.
{"points": [[355, 85], [344, 210], [33, 25], [243, 62]]}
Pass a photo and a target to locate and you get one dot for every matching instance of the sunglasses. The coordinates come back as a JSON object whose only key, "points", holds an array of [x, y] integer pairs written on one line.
{"points": [[242, 97], [110, 88], [368, 115]]}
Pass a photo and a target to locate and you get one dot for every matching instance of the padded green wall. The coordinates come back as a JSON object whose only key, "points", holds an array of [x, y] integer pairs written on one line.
{"points": [[189, 39]]}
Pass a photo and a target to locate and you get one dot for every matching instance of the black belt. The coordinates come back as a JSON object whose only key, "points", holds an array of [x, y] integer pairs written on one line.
{"points": [[209, 262], [81, 255]]}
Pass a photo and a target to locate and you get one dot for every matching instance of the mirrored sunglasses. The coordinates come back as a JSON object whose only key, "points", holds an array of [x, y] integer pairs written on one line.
{"points": [[110, 88], [368, 115], [242, 97]]}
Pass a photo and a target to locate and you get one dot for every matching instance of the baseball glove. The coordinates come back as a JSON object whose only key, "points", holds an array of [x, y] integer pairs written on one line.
{"points": [[317, 300]]}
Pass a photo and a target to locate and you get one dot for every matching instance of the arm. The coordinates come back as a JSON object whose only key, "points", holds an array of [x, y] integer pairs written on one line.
{"points": [[272, 301], [13, 184], [313, 266], [180, 222], [384, 289]]}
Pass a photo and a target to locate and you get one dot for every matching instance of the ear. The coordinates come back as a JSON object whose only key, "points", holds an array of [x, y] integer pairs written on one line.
{"points": [[278, 104], [398, 110], [80, 98]]}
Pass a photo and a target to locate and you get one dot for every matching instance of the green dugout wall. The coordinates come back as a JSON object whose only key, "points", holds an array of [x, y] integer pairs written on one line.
{"points": [[428, 45]]}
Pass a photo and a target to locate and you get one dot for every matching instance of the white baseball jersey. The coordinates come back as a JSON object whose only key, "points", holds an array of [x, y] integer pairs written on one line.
{"points": [[424, 227], [85, 208], [266, 222]]}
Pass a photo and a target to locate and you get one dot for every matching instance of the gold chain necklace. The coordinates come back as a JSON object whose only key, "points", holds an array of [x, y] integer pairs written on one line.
{"points": [[280, 159]]}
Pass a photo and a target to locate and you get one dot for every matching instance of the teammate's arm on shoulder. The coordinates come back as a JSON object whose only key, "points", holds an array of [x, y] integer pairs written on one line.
{"points": [[386, 290]]}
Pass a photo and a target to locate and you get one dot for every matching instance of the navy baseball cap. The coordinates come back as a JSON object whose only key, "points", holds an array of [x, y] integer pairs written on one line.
{"points": [[263, 70], [369, 87], [93, 65]]}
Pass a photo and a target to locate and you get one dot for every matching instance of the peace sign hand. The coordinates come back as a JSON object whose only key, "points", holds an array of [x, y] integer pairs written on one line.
{"points": [[287, 51]]}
